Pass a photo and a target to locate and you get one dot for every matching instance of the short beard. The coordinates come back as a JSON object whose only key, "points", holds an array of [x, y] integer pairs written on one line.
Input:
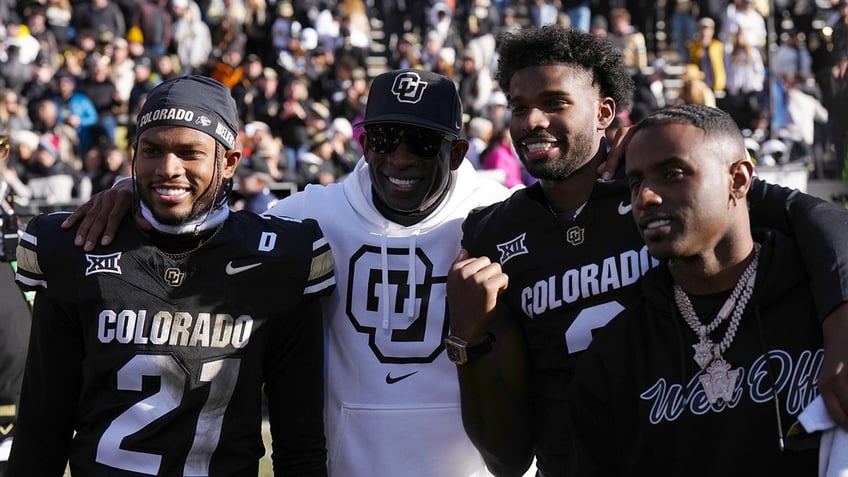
{"points": [[558, 171], [578, 154]]}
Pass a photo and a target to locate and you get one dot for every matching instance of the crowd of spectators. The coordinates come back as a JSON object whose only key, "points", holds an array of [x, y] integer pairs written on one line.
{"points": [[73, 74]]}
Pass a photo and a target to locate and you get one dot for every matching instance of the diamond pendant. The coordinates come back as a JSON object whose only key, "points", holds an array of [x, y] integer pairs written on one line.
{"points": [[703, 351], [719, 381]]}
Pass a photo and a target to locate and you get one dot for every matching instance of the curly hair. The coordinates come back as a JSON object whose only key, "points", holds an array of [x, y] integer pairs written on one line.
{"points": [[556, 45]]}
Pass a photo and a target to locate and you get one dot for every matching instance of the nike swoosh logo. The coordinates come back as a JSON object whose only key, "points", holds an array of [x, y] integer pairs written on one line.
{"points": [[391, 380], [624, 209], [231, 270]]}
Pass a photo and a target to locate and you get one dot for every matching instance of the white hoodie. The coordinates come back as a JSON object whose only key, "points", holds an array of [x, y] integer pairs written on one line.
{"points": [[392, 404]]}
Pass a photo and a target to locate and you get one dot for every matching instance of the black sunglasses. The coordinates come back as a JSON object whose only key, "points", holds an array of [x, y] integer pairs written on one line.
{"points": [[423, 142]]}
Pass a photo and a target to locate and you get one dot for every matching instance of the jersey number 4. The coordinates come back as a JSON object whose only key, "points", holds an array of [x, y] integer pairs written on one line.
{"points": [[172, 385]]}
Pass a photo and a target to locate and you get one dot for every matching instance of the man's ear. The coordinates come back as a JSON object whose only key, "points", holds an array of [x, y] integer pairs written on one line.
{"points": [[231, 162], [458, 150], [606, 112], [742, 174]]}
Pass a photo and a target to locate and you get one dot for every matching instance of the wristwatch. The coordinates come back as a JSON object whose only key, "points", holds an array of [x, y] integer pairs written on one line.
{"points": [[460, 351]]}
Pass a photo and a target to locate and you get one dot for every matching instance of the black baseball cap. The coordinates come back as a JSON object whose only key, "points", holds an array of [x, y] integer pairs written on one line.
{"points": [[415, 97], [193, 101]]}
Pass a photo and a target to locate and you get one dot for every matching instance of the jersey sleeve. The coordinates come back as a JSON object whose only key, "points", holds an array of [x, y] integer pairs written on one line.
{"points": [[49, 393], [29, 274], [472, 229], [819, 227], [295, 390], [321, 279], [52, 379]]}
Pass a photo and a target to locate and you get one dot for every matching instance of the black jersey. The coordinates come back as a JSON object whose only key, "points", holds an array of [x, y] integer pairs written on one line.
{"points": [[147, 364], [567, 278]]}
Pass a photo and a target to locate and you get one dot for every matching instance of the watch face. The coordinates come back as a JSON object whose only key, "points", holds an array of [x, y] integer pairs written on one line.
{"points": [[453, 352]]}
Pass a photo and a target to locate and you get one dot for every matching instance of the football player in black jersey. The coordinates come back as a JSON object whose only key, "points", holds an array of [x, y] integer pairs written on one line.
{"points": [[150, 356], [559, 259]]}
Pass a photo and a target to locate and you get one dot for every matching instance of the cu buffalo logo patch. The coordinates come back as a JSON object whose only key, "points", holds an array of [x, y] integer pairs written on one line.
{"points": [[575, 235], [174, 277], [408, 87]]}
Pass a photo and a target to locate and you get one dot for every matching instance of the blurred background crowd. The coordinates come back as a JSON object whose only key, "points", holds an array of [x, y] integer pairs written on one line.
{"points": [[73, 74]]}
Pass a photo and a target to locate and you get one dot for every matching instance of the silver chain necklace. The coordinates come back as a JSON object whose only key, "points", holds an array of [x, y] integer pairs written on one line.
{"points": [[173, 275], [718, 380], [182, 255], [573, 213]]}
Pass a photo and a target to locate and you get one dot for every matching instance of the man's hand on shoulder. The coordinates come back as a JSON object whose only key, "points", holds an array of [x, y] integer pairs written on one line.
{"points": [[100, 217], [618, 140]]}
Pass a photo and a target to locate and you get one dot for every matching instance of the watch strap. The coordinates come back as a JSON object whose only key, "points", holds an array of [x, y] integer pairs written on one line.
{"points": [[471, 351], [476, 350]]}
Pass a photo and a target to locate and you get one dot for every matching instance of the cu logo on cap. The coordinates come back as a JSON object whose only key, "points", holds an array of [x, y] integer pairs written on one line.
{"points": [[409, 88]]}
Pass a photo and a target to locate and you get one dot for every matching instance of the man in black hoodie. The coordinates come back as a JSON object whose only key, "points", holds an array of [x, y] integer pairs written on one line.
{"points": [[706, 371]]}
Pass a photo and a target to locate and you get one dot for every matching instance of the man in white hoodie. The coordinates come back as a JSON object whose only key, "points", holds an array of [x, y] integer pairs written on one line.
{"points": [[394, 225]]}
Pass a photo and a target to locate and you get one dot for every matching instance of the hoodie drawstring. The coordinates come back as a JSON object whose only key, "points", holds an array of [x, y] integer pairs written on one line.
{"points": [[409, 309], [771, 375], [409, 305], [384, 263]]}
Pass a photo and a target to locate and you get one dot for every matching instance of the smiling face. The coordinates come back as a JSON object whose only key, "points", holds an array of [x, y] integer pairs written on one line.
{"points": [[404, 181], [683, 186], [558, 119], [178, 173]]}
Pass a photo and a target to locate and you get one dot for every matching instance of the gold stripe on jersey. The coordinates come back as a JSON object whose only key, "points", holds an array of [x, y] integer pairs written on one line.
{"points": [[323, 263], [7, 410], [28, 260]]}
